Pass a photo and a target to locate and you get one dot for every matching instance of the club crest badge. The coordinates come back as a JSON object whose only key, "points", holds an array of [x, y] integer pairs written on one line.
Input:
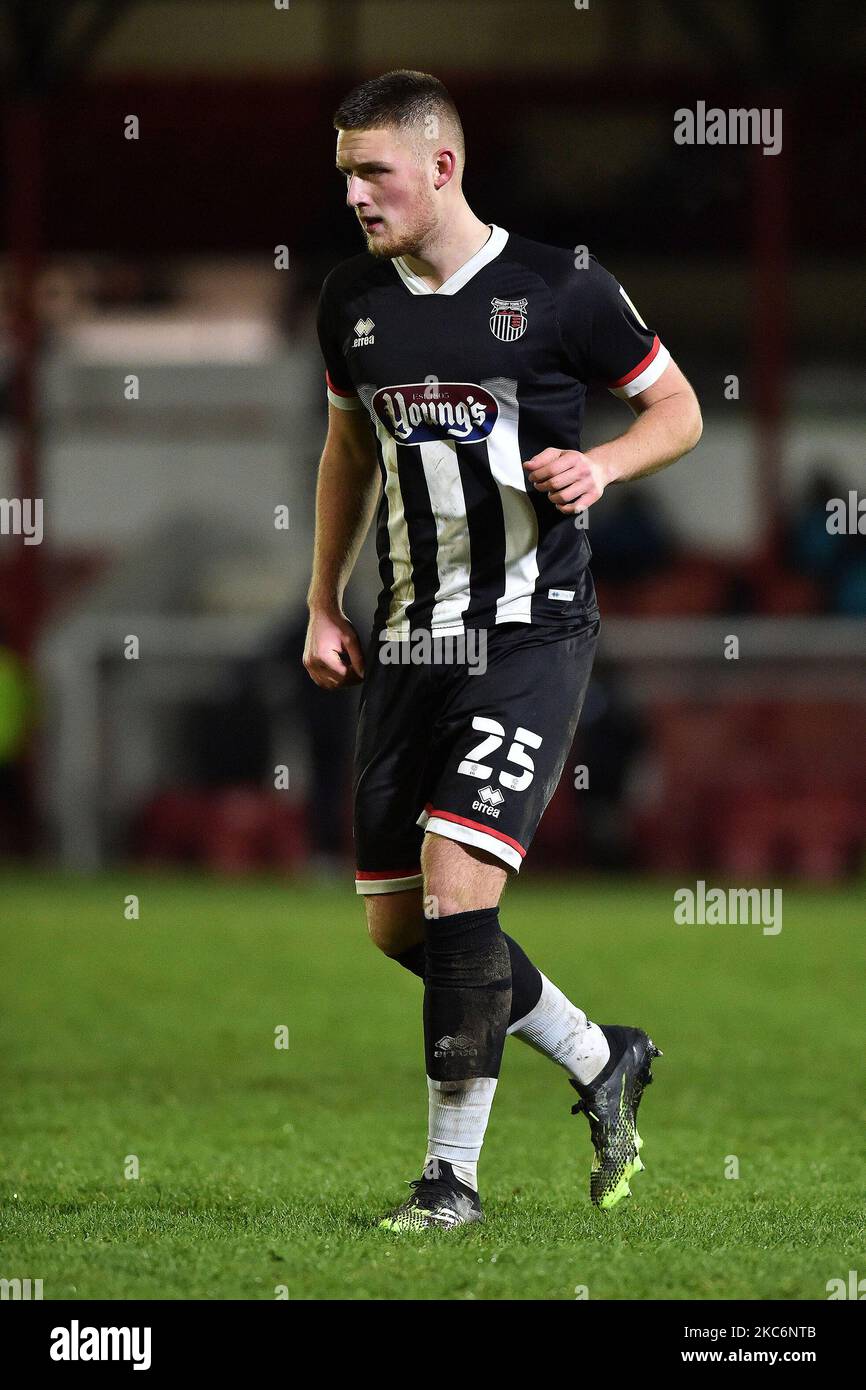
{"points": [[508, 319]]}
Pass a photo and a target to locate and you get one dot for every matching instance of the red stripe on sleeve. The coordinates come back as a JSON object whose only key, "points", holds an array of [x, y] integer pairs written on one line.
{"points": [[370, 876], [338, 390], [641, 366]]}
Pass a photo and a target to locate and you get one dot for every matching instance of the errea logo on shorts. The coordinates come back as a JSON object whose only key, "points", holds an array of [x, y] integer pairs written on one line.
{"points": [[489, 801], [364, 330]]}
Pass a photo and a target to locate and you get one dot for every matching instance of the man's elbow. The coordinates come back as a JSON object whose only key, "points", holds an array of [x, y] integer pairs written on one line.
{"points": [[693, 425]]}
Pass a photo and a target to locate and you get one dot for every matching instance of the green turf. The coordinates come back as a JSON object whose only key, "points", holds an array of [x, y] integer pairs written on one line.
{"points": [[262, 1167]]}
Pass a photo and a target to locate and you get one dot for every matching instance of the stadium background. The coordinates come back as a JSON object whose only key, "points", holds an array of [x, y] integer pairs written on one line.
{"points": [[153, 775]]}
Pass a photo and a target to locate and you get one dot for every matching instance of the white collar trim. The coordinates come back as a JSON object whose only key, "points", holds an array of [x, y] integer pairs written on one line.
{"points": [[488, 252]]}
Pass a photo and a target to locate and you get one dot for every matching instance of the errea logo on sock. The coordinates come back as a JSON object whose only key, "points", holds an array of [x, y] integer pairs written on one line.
{"points": [[459, 1046]]}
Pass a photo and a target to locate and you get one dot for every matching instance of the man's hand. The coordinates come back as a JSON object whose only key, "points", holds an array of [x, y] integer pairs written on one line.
{"points": [[332, 655], [667, 425], [572, 480]]}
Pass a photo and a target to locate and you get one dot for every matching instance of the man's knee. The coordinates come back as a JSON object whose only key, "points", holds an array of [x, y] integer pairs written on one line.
{"points": [[458, 877], [395, 921]]}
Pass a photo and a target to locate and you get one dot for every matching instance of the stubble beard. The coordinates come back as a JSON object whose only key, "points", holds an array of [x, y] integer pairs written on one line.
{"points": [[413, 234]]}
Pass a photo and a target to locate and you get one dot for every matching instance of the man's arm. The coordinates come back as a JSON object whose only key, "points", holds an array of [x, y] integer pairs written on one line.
{"points": [[667, 425], [346, 496]]}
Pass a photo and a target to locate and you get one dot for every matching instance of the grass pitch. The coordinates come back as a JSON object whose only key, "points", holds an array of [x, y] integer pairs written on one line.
{"points": [[264, 1168]]}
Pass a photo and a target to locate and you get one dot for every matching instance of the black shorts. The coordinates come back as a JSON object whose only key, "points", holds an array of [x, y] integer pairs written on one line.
{"points": [[472, 757]]}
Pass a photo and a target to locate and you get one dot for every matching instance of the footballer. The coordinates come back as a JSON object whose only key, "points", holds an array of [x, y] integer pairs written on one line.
{"points": [[458, 355]]}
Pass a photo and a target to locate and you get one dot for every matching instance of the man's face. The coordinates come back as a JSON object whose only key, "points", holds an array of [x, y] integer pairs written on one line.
{"points": [[389, 189]]}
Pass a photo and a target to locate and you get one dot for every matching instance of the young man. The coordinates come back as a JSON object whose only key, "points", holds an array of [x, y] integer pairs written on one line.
{"points": [[457, 359]]}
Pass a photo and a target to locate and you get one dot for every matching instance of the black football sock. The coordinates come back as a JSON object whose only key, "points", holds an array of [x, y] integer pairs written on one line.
{"points": [[525, 977], [467, 995], [542, 1016], [467, 1004]]}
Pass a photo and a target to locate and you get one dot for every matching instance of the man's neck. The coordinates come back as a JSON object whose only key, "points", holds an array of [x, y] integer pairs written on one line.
{"points": [[451, 248]]}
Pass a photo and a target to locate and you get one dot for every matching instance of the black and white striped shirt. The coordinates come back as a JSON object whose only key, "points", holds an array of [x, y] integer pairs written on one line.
{"points": [[462, 384]]}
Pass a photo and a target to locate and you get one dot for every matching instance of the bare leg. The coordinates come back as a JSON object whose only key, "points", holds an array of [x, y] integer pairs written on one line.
{"points": [[460, 878]]}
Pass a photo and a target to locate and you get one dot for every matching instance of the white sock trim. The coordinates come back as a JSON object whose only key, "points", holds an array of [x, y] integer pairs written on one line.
{"points": [[458, 1115], [562, 1032]]}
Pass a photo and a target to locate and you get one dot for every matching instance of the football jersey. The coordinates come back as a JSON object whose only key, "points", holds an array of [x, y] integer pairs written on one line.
{"points": [[461, 385]]}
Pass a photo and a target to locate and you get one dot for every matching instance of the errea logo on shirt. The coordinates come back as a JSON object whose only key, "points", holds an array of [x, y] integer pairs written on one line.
{"points": [[364, 330]]}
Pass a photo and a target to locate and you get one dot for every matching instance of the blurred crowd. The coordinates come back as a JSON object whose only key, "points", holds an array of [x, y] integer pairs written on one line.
{"points": [[219, 806]]}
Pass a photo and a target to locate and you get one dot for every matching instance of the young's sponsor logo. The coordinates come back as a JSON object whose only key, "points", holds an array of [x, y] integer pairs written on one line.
{"points": [[419, 413]]}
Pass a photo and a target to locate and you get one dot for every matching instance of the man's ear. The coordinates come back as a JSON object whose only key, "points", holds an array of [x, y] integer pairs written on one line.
{"points": [[446, 167]]}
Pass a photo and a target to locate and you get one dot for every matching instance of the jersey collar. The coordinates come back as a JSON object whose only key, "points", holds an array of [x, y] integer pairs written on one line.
{"points": [[489, 251]]}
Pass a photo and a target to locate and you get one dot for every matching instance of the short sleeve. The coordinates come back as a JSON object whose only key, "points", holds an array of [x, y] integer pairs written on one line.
{"points": [[341, 390], [606, 338]]}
